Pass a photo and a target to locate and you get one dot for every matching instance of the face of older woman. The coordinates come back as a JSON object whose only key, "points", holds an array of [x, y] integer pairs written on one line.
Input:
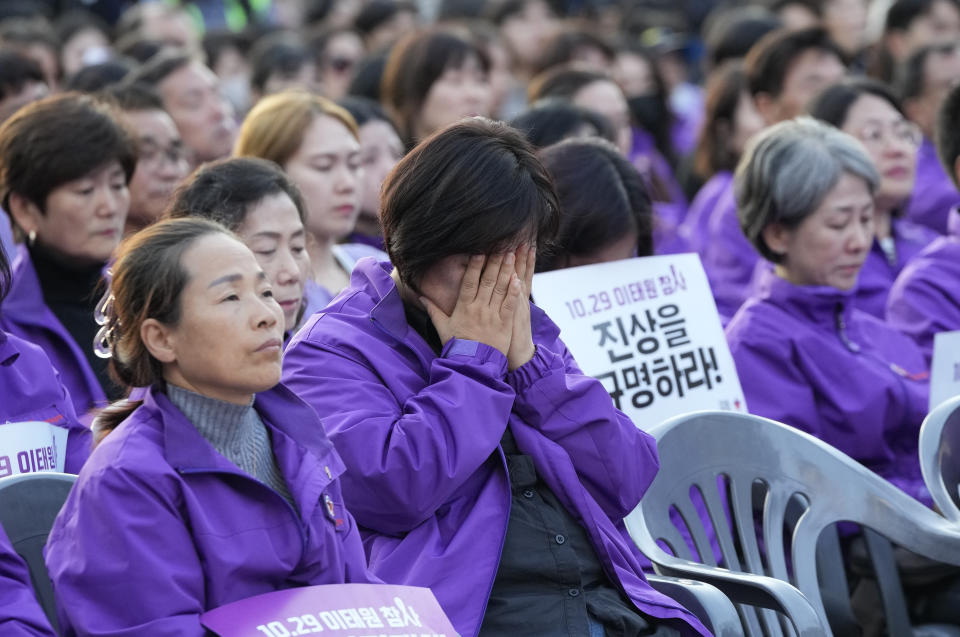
{"points": [[83, 219], [273, 231], [227, 344], [830, 245], [892, 142], [328, 170]]}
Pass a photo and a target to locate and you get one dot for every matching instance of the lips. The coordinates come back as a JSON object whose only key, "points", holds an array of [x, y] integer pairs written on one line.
{"points": [[272, 344], [897, 172]]}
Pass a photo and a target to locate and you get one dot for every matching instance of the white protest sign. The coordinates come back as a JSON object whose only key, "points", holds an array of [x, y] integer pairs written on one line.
{"points": [[648, 329], [31, 447], [945, 368]]}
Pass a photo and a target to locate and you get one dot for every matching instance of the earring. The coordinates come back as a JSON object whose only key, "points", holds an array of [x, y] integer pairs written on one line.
{"points": [[31, 237]]}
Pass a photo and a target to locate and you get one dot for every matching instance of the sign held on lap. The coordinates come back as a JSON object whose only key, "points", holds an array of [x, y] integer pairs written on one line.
{"points": [[344, 610], [945, 368], [648, 329], [31, 447]]}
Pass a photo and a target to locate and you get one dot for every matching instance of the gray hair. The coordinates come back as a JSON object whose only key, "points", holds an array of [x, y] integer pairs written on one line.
{"points": [[787, 171]]}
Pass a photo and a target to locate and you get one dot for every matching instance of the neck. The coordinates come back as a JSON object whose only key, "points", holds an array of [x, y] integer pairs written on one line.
{"points": [[320, 250], [173, 377], [882, 222]]}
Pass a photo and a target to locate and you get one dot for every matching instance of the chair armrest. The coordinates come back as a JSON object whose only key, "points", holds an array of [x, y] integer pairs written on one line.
{"points": [[711, 607], [754, 590]]}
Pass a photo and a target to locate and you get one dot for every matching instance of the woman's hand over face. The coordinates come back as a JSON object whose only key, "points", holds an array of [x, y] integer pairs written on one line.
{"points": [[490, 295], [521, 344]]}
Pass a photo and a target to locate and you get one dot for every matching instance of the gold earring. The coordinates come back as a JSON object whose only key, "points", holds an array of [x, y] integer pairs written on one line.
{"points": [[32, 237]]}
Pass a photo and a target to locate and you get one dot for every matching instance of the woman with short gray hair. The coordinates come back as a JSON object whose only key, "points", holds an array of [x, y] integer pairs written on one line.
{"points": [[806, 357]]}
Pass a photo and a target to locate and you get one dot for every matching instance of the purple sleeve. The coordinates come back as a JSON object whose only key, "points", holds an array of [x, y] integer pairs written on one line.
{"points": [[615, 461], [921, 304], [409, 454], [20, 612], [729, 259], [122, 561]]}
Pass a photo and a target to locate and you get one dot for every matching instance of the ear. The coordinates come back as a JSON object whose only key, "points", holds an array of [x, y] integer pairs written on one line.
{"points": [[777, 237], [25, 213], [767, 107], [158, 340]]}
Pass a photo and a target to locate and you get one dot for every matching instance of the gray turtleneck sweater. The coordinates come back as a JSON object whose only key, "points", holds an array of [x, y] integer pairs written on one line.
{"points": [[236, 431]]}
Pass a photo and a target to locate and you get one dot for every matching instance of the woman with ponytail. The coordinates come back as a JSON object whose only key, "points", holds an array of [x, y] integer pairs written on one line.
{"points": [[217, 484]]}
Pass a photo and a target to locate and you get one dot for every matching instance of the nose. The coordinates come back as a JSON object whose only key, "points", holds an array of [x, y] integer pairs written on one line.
{"points": [[288, 272], [110, 202], [861, 238], [347, 177], [267, 313]]}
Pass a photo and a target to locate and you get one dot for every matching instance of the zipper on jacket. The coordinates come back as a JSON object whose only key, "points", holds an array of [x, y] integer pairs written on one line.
{"points": [[293, 511], [841, 324]]}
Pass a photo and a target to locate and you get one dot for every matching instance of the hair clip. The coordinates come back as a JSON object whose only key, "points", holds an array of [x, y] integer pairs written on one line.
{"points": [[102, 343]]}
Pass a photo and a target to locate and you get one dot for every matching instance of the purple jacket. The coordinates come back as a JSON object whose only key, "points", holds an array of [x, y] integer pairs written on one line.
{"points": [[925, 299], [877, 275], [160, 527], [20, 613], [420, 435], [668, 215], [30, 390], [934, 193], [25, 314], [696, 227], [729, 259], [808, 359]]}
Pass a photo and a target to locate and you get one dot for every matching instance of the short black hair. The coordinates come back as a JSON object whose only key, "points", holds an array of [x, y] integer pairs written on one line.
{"points": [[160, 66], [561, 48], [834, 102], [553, 120], [378, 12], [731, 33], [133, 97], [17, 70], [474, 187], [769, 61], [225, 190], [563, 82], [279, 53], [365, 110], [96, 77], [602, 198], [903, 13], [948, 133], [910, 77], [368, 76], [59, 139]]}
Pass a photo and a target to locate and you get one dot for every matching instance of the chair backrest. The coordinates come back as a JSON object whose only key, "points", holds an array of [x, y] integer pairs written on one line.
{"points": [[940, 456], [29, 503], [736, 464]]}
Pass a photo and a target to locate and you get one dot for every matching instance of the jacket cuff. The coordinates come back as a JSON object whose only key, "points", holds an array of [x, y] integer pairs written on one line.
{"points": [[481, 353], [543, 363]]}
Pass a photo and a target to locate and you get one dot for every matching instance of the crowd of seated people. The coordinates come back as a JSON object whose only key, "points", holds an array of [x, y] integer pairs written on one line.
{"points": [[267, 268]]}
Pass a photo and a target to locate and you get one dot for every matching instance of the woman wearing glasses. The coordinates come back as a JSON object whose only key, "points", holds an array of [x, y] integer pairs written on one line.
{"points": [[869, 111]]}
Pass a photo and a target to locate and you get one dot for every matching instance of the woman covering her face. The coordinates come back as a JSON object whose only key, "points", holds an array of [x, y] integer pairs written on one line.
{"points": [[65, 164], [219, 484], [481, 461]]}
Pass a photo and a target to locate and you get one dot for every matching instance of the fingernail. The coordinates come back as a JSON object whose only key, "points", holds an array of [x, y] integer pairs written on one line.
{"points": [[510, 258]]}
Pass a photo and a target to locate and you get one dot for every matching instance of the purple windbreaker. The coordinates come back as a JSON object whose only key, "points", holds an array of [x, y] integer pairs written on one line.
{"points": [[934, 193], [26, 315], [696, 227], [30, 390], [877, 275], [420, 435], [808, 359], [160, 527], [729, 259], [925, 299], [20, 612]]}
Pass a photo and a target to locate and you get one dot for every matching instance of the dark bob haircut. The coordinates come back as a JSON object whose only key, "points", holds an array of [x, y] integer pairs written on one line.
{"points": [[563, 82], [770, 59], [475, 187], [224, 191], [602, 199], [59, 139], [833, 104], [553, 120], [364, 110], [413, 66]]}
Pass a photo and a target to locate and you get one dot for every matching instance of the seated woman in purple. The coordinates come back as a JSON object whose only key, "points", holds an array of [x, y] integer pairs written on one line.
{"points": [[65, 164], [805, 355], [31, 392], [481, 462], [219, 484], [869, 111], [925, 299]]}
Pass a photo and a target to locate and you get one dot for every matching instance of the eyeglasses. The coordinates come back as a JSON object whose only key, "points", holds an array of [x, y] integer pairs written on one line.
{"points": [[903, 131], [154, 155], [340, 64]]}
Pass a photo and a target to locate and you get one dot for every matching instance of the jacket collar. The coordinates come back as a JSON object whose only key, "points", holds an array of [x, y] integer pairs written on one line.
{"points": [[25, 297], [813, 303], [953, 223], [9, 352]]}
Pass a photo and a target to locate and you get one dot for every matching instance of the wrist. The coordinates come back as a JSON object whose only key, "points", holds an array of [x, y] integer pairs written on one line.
{"points": [[522, 358]]}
